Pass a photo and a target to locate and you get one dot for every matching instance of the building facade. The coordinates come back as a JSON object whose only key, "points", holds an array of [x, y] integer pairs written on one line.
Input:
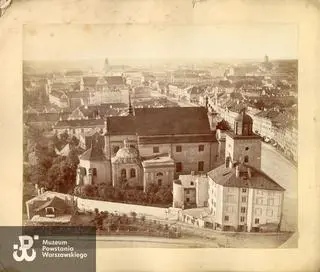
{"points": [[241, 196], [151, 145]]}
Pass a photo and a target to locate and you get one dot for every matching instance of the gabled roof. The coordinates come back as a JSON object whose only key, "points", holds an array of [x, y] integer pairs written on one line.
{"points": [[94, 153], [226, 176], [55, 202]]}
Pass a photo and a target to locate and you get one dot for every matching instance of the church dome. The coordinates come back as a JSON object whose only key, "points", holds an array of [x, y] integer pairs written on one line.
{"points": [[126, 154]]}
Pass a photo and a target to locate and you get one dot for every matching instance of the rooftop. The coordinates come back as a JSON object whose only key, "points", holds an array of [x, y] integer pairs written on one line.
{"points": [[227, 177]]}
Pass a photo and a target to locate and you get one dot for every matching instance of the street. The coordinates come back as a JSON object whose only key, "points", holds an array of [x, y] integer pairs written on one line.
{"points": [[285, 173]]}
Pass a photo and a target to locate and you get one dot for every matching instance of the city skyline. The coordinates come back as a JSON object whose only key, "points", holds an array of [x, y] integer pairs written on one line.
{"points": [[160, 43]]}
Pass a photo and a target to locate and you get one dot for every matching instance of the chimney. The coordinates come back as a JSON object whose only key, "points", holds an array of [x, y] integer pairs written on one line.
{"points": [[249, 172], [237, 171]]}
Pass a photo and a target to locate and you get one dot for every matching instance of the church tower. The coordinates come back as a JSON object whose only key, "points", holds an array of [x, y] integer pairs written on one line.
{"points": [[242, 145]]}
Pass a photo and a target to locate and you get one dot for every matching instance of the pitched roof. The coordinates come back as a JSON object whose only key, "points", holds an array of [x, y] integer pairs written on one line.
{"points": [[90, 80], [226, 176], [115, 80], [80, 123], [55, 202], [121, 125], [173, 120], [44, 117], [94, 153]]}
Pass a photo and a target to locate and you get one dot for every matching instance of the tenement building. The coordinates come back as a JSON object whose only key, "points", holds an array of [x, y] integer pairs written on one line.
{"points": [[241, 196], [149, 145]]}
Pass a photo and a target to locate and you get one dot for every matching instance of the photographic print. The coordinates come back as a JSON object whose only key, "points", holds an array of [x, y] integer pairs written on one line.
{"points": [[171, 136]]}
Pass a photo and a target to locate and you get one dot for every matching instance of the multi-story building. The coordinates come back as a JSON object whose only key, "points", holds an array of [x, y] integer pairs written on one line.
{"points": [[241, 196], [159, 143]]}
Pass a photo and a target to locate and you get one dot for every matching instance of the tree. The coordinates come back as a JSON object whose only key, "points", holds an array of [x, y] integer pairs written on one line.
{"points": [[38, 174], [89, 190], [73, 158]]}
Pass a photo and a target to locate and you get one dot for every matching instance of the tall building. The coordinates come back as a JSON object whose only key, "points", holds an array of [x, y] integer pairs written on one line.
{"points": [[241, 196]]}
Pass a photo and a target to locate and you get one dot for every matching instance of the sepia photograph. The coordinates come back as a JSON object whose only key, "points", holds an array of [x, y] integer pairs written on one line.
{"points": [[163, 136]]}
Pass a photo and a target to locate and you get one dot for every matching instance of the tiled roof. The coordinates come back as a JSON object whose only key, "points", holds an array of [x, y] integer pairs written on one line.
{"points": [[79, 123], [226, 176], [95, 153], [121, 125], [90, 80], [115, 80], [44, 117], [170, 121]]}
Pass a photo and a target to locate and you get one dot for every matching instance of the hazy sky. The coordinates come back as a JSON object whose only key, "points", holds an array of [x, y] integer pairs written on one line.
{"points": [[50, 42]]}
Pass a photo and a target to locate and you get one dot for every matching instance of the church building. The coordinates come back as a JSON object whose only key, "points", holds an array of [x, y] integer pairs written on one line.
{"points": [[150, 145]]}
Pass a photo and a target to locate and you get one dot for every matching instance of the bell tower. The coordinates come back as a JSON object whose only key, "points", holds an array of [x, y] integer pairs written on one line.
{"points": [[242, 145]]}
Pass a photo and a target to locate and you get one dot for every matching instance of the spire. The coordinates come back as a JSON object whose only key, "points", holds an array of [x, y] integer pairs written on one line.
{"points": [[131, 110]]}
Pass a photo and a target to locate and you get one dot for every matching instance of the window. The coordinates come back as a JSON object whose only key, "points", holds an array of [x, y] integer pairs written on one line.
{"points": [[201, 148], [178, 148], [132, 173], [94, 171], [82, 130], [243, 199], [132, 146], [270, 202], [226, 218], [243, 209], [256, 220], [259, 200], [73, 131], [123, 173], [247, 148], [178, 166], [159, 174], [187, 199], [269, 212], [241, 218], [159, 182], [258, 211], [200, 165], [191, 183], [244, 190], [156, 149], [115, 149], [246, 159], [187, 191], [229, 209]]}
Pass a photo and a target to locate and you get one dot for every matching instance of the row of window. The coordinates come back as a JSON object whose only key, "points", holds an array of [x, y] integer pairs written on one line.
{"points": [[242, 219], [270, 201], [179, 167], [156, 149], [124, 173]]}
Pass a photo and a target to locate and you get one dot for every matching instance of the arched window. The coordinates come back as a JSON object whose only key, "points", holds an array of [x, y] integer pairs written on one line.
{"points": [[246, 158], [132, 173], [159, 174], [123, 173]]}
